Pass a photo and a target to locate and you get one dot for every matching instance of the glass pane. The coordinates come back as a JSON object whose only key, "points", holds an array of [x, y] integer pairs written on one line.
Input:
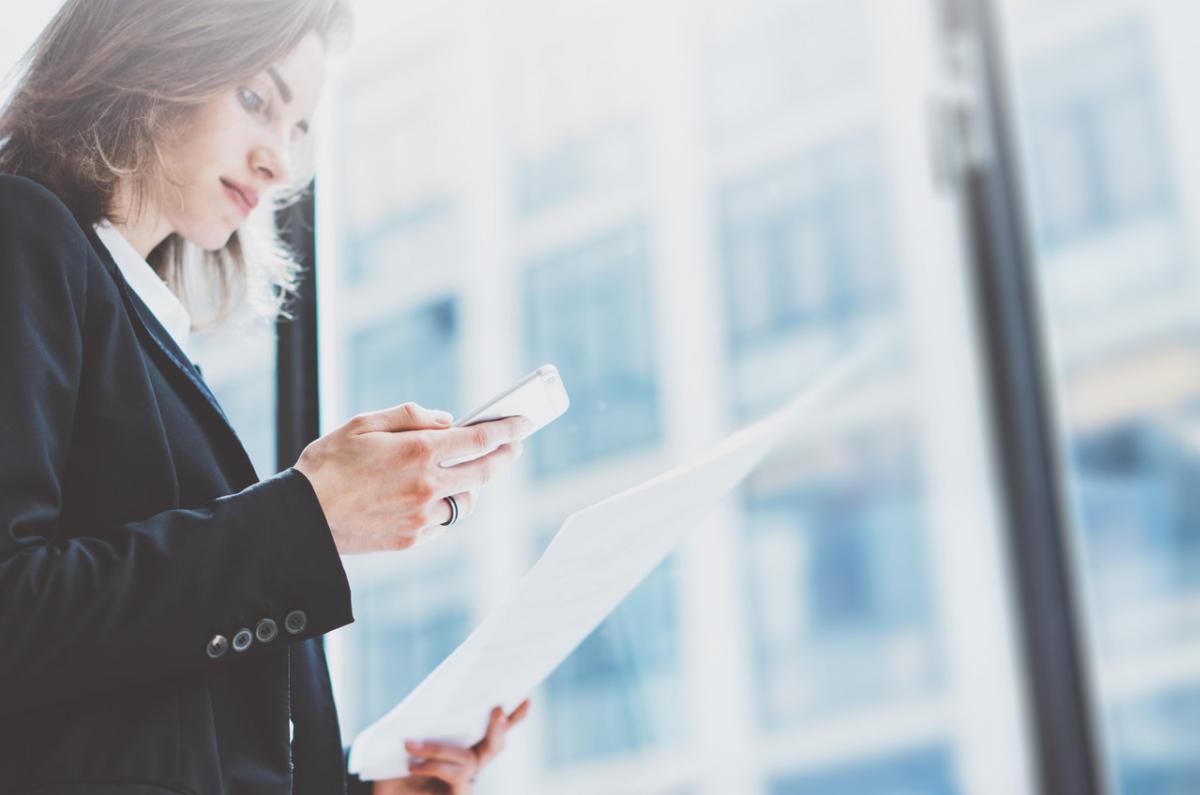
{"points": [[619, 692], [413, 354], [1107, 117], [839, 577], [238, 364], [926, 772], [589, 307], [805, 263], [689, 208]]}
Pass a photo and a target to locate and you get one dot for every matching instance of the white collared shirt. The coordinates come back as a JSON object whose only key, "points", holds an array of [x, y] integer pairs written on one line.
{"points": [[153, 291]]}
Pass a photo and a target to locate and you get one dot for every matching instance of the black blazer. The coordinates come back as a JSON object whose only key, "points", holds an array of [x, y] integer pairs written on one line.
{"points": [[135, 543]]}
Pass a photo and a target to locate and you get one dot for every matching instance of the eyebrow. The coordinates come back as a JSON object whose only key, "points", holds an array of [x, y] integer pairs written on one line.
{"points": [[284, 91]]}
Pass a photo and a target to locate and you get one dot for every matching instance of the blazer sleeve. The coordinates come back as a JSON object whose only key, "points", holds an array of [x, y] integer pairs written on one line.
{"points": [[114, 605], [354, 784]]}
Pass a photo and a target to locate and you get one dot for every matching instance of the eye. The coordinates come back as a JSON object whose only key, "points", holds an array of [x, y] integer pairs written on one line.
{"points": [[250, 100]]}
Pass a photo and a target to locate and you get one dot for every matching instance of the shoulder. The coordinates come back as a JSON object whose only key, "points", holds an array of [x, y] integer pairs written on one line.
{"points": [[23, 199], [39, 237], [31, 215]]}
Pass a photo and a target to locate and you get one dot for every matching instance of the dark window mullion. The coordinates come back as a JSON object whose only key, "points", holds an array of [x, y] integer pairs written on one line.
{"points": [[296, 392], [1054, 649]]}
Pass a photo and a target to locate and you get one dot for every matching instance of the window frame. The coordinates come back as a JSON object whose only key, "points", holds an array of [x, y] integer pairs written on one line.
{"points": [[1061, 708]]}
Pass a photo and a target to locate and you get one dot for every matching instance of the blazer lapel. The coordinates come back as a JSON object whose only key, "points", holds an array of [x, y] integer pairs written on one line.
{"points": [[163, 345]]}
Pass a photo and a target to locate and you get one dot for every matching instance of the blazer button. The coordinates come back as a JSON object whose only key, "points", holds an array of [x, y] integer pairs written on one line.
{"points": [[218, 646], [266, 630], [242, 640], [295, 622]]}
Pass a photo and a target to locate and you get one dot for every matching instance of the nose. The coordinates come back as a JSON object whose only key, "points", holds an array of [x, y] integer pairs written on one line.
{"points": [[272, 161]]}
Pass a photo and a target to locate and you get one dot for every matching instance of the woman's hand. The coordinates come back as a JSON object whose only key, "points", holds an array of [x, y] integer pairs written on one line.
{"points": [[379, 480], [442, 769]]}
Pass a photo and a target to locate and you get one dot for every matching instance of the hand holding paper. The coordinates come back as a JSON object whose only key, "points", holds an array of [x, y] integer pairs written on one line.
{"points": [[448, 769], [599, 555]]}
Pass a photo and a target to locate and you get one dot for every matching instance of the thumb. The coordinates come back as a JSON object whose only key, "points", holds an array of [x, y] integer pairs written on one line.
{"points": [[406, 417]]}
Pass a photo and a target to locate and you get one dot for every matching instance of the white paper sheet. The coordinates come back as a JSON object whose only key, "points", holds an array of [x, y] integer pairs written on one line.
{"points": [[597, 558]]}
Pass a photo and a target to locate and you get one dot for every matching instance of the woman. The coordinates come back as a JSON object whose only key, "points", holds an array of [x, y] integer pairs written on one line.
{"points": [[160, 608]]}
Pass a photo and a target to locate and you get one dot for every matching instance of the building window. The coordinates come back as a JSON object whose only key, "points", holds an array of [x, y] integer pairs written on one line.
{"points": [[588, 311], [840, 612], [928, 772], [577, 166], [238, 365], [249, 403], [1096, 139], [412, 356], [805, 258], [1158, 735], [620, 691], [1135, 498], [406, 623], [421, 234]]}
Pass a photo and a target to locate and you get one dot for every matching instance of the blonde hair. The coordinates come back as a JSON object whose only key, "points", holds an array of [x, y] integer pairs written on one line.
{"points": [[109, 81]]}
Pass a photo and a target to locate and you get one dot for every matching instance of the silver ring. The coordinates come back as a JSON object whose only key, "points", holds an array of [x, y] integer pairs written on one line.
{"points": [[453, 511]]}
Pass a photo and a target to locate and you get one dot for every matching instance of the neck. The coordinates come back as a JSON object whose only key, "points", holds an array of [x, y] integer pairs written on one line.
{"points": [[146, 229]]}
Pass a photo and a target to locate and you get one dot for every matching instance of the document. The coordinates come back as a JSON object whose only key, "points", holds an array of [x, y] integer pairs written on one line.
{"points": [[596, 559]]}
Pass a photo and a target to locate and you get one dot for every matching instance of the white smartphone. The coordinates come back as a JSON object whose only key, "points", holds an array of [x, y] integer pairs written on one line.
{"points": [[539, 396]]}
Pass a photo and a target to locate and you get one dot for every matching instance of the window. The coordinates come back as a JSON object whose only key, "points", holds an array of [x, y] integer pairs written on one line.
{"points": [[407, 620], [588, 309], [421, 232], [1099, 168], [1105, 123], [411, 357], [1153, 741], [927, 772], [805, 257], [238, 365], [1096, 136], [615, 694], [839, 604], [577, 166], [689, 210]]}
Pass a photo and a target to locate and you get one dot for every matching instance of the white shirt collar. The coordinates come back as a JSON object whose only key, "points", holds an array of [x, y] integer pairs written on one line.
{"points": [[153, 291]]}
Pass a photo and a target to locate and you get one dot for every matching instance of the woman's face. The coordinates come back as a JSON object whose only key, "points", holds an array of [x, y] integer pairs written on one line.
{"points": [[241, 145]]}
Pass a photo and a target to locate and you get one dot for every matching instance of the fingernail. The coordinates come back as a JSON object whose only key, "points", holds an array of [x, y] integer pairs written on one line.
{"points": [[413, 745], [443, 417]]}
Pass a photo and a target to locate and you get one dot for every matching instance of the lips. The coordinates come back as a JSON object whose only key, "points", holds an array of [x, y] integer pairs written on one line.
{"points": [[244, 196]]}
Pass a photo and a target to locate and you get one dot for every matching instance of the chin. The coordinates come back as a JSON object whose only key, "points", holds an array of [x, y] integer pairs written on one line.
{"points": [[213, 239], [222, 240]]}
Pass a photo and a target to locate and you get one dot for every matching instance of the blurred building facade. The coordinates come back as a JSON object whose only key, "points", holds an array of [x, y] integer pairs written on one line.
{"points": [[689, 209], [1107, 124]]}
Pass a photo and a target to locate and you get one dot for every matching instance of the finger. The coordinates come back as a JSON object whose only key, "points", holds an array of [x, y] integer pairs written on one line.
{"points": [[493, 739], [437, 525], [442, 752], [466, 505], [518, 714], [405, 417], [455, 775], [474, 475], [443, 512], [482, 437]]}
